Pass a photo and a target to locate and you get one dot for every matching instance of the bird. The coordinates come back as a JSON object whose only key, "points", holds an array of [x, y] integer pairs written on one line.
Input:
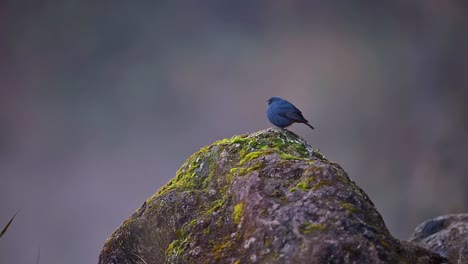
{"points": [[282, 113]]}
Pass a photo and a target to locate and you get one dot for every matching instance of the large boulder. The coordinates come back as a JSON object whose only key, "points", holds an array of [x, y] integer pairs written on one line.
{"points": [[446, 235], [266, 197]]}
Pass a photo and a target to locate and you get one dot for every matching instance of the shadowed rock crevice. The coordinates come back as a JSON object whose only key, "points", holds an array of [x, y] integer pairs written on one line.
{"points": [[266, 197]]}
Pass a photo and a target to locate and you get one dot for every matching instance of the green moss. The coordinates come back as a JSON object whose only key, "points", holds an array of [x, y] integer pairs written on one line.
{"points": [[275, 255], [350, 208], [277, 193], [268, 242], [239, 139], [257, 166], [238, 212], [216, 205], [245, 170], [251, 156], [293, 189], [223, 141], [237, 170], [322, 183], [219, 248], [305, 184], [308, 228], [319, 155], [385, 245], [237, 261], [177, 247], [287, 156], [186, 176]]}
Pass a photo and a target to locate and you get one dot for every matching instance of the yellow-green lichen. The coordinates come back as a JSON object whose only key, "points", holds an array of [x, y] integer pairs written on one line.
{"points": [[239, 139], [186, 177], [238, 170], [177, 247], [287, 156], [268, 242], [350, 208], [216, 205], [219, 248], [318, 154], [305, 184], [322, 183], [385, 245], [238, 212], [308, 228], [251, 156], [245, 170]]}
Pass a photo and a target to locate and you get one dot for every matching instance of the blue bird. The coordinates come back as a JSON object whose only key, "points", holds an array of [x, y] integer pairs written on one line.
{"points": [[282, 113]]}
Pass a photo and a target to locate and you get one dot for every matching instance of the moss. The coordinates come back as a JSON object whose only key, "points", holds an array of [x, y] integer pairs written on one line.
{"points": [[308, 228], [287, 156], [251, 156], [318, 154], [237, 170], [268, 242], [322, 183], [350, 208], [275, 255], [239, 139], [216, 205], [219, 248], [277, 193], [385, 245], [352, 250], [245, 170], [257, 166], [186, 176], [305, 184], [238, 212], [237, 261], [293, 189], [177, 247]]}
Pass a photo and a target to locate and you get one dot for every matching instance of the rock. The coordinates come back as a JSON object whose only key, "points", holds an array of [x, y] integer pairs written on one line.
{"points": [[266, 197], [446, 235]]}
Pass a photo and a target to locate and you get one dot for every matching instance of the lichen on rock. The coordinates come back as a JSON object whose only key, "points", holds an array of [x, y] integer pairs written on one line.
{"points": [[266, 197]]}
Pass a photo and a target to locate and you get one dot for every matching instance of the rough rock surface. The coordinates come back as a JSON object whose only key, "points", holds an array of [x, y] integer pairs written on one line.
{"points": [[446, 235], [266, 197]]}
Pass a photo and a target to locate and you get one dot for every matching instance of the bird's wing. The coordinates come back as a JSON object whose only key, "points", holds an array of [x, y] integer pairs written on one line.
{"points": [[296, 116]]}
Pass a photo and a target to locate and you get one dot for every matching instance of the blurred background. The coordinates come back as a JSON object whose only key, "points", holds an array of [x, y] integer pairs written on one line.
{"points": [[102, 101]]}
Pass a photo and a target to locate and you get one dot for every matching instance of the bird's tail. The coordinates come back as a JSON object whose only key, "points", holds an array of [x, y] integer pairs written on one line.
{"points": [[307, 124]]}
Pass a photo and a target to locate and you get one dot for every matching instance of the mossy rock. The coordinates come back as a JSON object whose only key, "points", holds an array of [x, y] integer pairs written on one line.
{"points": [[266, 197]]}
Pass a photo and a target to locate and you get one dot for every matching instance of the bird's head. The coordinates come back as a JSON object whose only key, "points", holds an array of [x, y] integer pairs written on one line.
{"points": [[273, 99]]}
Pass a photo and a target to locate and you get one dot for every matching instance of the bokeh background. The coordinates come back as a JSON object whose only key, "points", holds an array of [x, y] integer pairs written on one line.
{"points": [[102, 101]]}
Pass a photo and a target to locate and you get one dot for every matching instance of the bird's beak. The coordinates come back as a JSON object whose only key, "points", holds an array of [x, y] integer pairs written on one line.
{"points": [[266, 100]]}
